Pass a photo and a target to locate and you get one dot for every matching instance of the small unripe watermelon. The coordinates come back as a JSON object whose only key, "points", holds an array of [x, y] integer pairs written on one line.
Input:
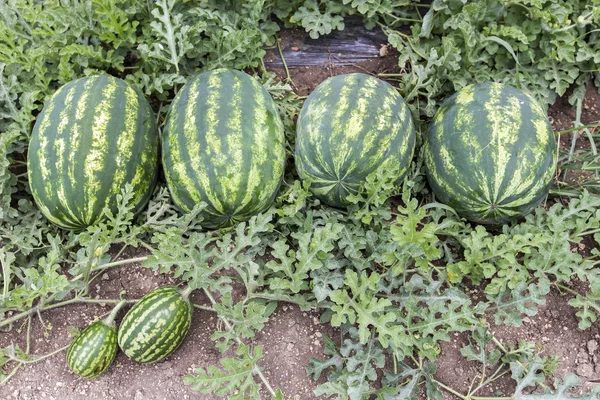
{"points": [[156, 325], [94, 349]]}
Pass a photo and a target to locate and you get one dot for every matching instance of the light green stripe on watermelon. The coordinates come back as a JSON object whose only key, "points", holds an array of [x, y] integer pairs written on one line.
{"points": [[97, 338], [490, 153], [233, 181], [143, 316], [223, 144], [76, 131], [126, 142], [167, 343], [350, 126], [193, 146], [155, 326], [266, 117], [94, 136], [95, 158]]}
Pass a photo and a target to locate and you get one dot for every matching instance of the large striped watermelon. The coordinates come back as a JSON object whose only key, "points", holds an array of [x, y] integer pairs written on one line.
{"points": [[95, 135], [490, 153], [349, 126], [223, 143], [156, 325]]}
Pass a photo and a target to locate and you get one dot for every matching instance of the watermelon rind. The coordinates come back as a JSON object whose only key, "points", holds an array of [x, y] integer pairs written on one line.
{"points": [[93, 350], [94, 136], [223, 144], [349, 127], [490, 153], [156, 325]]}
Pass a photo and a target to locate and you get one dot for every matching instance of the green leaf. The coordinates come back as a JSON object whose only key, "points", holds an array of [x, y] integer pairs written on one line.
{"points": [[316, 22], [406, 382], [352, 367], [511, 305], [428, 314], [245, 319], [416, 241], [313, 252], [168, 27], [235, 378], [188, 259], [316, 367], [359, 305], [482, 338], [531, 377], [372, 194], [589, 308]]}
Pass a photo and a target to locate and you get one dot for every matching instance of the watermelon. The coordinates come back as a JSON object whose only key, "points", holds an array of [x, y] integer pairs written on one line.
{"points": [[348, 127], [156, 325], [94, 349], [94, 135], [490, 153], [223, 144]]}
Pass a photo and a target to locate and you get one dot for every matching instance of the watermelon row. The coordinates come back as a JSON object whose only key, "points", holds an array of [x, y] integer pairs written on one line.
{"points": [[489, 151]]}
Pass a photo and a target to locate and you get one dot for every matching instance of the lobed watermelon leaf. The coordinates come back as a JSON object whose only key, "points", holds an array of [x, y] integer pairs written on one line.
{"points": [[235, 378]]}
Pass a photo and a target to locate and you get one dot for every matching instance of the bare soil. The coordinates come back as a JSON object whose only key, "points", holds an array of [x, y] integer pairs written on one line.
{"points": [[291, 337]]}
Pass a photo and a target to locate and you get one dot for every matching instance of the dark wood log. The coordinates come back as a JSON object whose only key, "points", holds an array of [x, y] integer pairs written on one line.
{"points": [[341, 48]]}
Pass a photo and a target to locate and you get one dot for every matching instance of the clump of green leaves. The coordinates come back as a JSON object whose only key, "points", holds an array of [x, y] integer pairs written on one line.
{"points": [[542, 46]]}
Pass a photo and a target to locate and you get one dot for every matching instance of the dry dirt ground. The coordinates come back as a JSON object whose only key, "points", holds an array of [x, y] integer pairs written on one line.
{"points": [[291, 337]]}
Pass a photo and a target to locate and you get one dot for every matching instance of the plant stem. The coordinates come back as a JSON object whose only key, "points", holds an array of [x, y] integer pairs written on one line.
{"points": [[491, 378], [457, 394], [201, 307], [90, 264], [114, 264], [28, 345], [121, 262], [147, 246], [119, 252], [578, 128], [5, 275], [287, 71], [110, 320], [185, 293], [396, 19], [256, 370], [57, 305], [11, 374], [568, 289], [590, 232], [505, 351], [449, 389], [272, 297], [40, 358]]}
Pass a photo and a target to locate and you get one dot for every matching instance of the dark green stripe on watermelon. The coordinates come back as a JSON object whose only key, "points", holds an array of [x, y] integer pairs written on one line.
{"points": [[94, 136], [156, 325], [490, 153], [224, 144], [350, 126], [93, 350]]}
